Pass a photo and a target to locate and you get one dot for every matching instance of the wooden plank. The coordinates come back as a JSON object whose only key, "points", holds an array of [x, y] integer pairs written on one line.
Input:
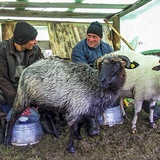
{"points": [[2, 114], [55, 14], [116, 38], [65, 5], [7, 30], [19, 7], [20, 11]]}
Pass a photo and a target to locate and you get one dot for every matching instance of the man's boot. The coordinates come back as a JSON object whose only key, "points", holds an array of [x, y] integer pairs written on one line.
{"points": [[146, 107], [156, 114], [93, 127]]}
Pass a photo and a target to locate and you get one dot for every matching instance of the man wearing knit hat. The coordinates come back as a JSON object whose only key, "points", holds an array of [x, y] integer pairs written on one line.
{"points": [[16, 54], [87, 51]]}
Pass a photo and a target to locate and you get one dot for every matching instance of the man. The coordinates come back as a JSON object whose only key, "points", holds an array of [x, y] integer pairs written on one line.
{"points": [[16, 54], [87, 51]]}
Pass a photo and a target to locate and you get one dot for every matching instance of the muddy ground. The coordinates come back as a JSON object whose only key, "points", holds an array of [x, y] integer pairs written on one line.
{"points": [[113, 143]]}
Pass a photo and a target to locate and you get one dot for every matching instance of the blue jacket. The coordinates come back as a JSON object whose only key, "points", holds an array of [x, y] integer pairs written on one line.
{"points": [[84, 54]]}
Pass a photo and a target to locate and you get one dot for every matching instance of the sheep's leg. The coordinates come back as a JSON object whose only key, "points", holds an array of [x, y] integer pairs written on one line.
{"points": [[45, 124], [50, 119], [8, 133], [73, 132], [105, 121], [138, 107], [9, 129], [62, 119], [122, 108], [78, 135], [152, 107]]}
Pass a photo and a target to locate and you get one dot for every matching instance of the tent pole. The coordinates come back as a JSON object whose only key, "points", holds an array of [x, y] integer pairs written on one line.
{"points": [[118, 34]]}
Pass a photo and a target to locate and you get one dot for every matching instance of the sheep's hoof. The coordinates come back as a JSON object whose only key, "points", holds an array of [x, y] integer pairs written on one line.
{"points": [[71, 149], [7, 142], [78, 137], [134, 130], [58, 135], [105, 123], [46, 128], [153, 125], [125, 116]]}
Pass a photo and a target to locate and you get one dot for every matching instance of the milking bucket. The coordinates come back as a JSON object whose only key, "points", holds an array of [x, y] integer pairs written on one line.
{"points": [[27, 133], [113, 115]]}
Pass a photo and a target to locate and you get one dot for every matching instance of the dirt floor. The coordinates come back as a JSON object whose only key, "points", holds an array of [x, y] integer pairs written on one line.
{"points": [[113, 143]]}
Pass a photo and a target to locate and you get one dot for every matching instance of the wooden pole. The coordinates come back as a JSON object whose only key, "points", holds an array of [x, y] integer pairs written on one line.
{"points": [[118, 34], [116, 38], [7, 30]]}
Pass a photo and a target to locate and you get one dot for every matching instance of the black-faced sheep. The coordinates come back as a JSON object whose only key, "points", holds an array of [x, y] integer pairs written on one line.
{"points": [[76, 88], [142, 83]]}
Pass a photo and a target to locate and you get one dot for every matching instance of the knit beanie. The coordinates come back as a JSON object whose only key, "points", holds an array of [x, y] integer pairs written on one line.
{"points": [[24, 32], [95, 28]]}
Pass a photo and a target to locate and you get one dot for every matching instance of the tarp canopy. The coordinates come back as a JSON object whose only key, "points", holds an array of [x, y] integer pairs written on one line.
{"points": [[141, 28]]}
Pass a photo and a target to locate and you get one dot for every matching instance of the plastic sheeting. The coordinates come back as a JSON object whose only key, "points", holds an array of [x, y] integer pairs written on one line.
{"points": [[141, 28]]}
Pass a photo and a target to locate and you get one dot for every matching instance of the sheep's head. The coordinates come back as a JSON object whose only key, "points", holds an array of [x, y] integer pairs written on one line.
{"points": [[112, 70], [121, 58]]}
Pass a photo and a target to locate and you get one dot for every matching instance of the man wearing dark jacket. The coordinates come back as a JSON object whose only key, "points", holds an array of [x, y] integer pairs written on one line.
{"points": [[92, 47], [87, 51], [16, 54]]}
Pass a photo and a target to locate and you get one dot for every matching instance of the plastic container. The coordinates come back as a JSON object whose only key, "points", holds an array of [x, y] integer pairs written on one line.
{"points": [[27, 133], [113, 116]]}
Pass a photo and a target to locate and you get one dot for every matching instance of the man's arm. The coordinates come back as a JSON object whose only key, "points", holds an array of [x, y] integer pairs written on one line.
{"points": [[78, 54], [5, 84]]}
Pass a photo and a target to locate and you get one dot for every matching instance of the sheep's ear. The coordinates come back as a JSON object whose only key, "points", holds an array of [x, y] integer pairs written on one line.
{"points": [[156, 68], [133, 65]]}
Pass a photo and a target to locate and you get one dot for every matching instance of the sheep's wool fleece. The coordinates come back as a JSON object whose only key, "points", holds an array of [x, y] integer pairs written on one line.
{"points": [[61, 84], [142, 79]]}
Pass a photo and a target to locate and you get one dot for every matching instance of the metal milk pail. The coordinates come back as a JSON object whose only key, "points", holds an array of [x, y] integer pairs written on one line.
{"points": [[113, 115], [28, 133]]}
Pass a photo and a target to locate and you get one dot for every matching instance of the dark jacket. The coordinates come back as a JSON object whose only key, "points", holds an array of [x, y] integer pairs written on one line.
{"points": [[84, 54], [8, 64]]}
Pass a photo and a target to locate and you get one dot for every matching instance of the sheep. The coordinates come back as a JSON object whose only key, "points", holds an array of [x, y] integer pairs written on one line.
{"points": [[75, 88], [141, 84]]}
